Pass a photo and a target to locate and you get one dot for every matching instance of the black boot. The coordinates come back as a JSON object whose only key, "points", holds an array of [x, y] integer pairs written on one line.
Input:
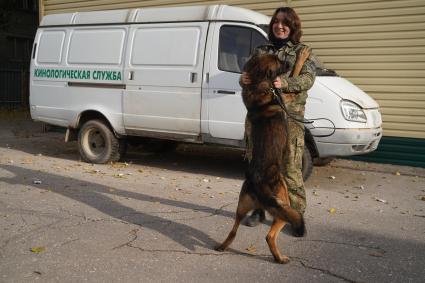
{"points": [[255, 218]]}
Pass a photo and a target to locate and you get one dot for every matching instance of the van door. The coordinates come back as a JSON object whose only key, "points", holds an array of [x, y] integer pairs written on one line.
{"points": [[163, 73], [231, 48]]}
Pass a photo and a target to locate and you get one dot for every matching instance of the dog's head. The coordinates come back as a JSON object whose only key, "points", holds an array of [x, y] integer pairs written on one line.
{"points": [[263, 70]]}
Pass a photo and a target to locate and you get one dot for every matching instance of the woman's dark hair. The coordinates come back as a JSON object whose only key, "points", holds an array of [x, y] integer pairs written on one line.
{"points": [[291, 20]]}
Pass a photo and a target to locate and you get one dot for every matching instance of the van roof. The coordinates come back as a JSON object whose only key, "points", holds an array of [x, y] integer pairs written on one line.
{"points": [[149, 15]]}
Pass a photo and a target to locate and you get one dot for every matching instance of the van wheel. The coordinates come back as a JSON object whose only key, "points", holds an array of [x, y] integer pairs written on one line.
{"points": [[307, 163], [98, 144]]}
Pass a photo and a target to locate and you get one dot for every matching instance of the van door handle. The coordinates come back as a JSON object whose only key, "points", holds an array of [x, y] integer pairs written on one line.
{"points": [[193, 77], [130, 75], [226, 92]]}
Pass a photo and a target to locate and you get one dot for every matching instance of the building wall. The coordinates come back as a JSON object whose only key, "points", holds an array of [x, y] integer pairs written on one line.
{"points": [[377, 44], [18, 24]]}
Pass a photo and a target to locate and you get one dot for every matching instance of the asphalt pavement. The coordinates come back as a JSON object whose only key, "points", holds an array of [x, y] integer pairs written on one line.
{"points": [[157, 218]]}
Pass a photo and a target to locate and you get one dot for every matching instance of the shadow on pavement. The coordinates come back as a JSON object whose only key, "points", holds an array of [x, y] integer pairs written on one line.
{"points": [[202, 159], [96, 196]]}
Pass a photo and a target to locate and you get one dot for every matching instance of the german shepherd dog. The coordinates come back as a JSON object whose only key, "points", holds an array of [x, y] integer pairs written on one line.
{"points": [[264, 186]]}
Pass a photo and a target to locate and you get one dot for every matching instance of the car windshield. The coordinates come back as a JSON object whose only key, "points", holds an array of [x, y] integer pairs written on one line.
{"points": [[265, 28]]}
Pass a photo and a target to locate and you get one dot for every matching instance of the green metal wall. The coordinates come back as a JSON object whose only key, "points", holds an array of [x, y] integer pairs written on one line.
{"points": [[395, 150]]}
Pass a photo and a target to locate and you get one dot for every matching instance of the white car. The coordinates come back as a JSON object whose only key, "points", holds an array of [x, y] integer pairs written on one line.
{"points": [[165, 75]]}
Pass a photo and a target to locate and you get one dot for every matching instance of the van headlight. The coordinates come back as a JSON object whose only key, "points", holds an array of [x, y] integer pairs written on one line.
{"points": [[352, 112]]}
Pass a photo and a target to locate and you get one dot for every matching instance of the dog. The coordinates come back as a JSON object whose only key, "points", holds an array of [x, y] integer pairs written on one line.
{"points": [[264, 186]]}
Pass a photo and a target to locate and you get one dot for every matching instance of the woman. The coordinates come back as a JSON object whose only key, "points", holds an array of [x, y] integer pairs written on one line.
{"points": [[284, 36]]}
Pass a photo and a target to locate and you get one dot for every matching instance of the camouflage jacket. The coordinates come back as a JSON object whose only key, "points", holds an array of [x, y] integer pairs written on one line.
{"points": [[298, 84]]}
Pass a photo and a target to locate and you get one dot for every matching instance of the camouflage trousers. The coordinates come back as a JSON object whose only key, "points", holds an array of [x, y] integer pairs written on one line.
{"points": [[292, 162]]}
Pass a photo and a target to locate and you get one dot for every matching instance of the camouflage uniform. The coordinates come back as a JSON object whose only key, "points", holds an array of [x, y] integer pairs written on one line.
{"points": [[292, 161]]}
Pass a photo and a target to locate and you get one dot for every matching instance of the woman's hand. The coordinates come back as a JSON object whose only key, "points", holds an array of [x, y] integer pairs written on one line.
{"points": [[245, 79], [278, 83]]}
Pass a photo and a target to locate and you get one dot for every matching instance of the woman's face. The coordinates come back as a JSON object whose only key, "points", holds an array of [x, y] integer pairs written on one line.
{"points": [[280, 30]]}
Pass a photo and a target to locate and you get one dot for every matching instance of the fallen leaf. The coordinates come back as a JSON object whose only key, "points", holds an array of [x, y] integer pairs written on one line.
{"points": [[422, 198], [37, 249], [206, 180], [251, 249], [397, 173], [381, 200], [332, 177], [377, 254], [332, 210]]}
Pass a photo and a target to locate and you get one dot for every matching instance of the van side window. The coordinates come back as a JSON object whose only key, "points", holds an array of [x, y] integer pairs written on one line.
{"points": [[257, 40], [235, 46], [96, 46], [166, 46], [50, 47]]}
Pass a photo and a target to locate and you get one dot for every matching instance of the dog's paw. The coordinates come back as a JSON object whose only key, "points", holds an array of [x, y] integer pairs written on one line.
{"points": [[304, 53], [282, 260], [219, 248]]}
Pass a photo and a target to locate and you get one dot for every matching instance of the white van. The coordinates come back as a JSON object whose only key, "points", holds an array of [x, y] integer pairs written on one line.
{"points": [[171, 74]]}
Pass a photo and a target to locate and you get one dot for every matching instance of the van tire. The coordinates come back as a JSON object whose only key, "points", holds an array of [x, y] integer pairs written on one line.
{"points": [[307, 168], [98, 144]]}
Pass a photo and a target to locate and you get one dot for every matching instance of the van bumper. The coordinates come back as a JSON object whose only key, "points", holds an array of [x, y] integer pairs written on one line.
{"points": [[347, 142]]}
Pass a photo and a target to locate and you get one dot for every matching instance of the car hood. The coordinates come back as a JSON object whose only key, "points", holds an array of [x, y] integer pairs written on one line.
{"points": [[346, 90]]}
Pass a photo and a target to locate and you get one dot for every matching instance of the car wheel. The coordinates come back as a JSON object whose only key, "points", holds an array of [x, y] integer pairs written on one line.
{"points": [[307, 164], [98, 144]]}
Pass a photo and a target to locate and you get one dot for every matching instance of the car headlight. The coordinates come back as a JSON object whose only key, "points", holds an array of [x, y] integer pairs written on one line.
{"points": [[352, 112]]}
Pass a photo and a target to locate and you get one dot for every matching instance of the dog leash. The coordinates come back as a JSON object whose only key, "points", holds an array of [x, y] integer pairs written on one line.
{"points": [[278, 98]]}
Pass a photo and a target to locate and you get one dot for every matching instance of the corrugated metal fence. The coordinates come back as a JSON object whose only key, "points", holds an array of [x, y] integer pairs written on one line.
{"points": [[14, 80]]}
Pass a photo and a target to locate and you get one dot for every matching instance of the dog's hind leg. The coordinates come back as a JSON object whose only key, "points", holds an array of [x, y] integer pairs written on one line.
{"points": [[271, 238], [245, 205]]}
